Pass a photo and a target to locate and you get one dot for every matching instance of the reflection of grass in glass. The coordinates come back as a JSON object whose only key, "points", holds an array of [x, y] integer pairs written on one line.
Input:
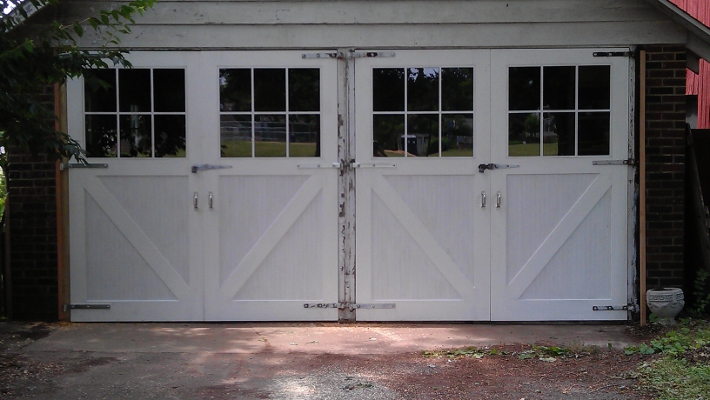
{"points": [[531, 149], [456, 153], [241, 148]]}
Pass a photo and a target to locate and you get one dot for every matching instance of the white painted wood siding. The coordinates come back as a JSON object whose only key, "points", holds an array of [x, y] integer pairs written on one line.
{"points": [[392, 24]]}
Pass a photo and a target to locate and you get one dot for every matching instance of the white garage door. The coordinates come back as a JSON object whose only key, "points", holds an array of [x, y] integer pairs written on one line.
{"points": [[220, 196]]}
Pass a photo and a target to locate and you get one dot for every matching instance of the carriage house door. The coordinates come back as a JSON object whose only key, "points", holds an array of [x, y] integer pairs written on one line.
{"points": [[212, 191], [135, 244], [422, 207], [271, 215], [560, 227]]}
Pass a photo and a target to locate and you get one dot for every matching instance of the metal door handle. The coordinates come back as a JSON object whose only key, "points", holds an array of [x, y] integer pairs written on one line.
{"points": [[194, 200], [210, 200], [498, 199], [483, 199]]}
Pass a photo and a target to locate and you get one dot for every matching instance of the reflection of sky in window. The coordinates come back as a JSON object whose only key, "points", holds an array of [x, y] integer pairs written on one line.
{"points": [[428, 72]]}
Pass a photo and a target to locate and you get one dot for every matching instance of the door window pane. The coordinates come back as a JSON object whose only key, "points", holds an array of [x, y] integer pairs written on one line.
{"points": [[170, 136], [235, 90], [559, 88], [524, 88], [135, 137], [134, 90], [169, 90], [388, 131], [270, 136], [388, 89], [595, 87], [558, 134], [421, 130], [456, 136], [235, 135], [270, 89], [422, 89], [101, 134], [594, 133], [524, 135], [304, 135], [100, 90], [304, 89], [457, 89]]}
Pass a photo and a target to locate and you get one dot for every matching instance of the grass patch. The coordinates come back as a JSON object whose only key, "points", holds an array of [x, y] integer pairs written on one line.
{"points": [[682, 369], [531, 149], [542, 353], [674, 378]]}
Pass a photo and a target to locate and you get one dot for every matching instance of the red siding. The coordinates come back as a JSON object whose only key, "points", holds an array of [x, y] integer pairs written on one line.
{"points": [[699, 84]]}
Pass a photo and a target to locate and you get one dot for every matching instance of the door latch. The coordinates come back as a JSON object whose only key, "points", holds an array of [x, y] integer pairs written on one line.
{"points": [[483, 167]]}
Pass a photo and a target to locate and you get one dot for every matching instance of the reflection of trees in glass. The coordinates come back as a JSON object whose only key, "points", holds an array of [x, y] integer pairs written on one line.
{"points": [[388, 130], [270, 89], [235, 90], [304, 89], [388, 89], [423, 89], [457, 89], [532, 126], [169, 135]]}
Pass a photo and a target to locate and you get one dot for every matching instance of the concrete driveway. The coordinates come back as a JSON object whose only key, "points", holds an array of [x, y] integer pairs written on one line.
{"points": [[254, 360]]}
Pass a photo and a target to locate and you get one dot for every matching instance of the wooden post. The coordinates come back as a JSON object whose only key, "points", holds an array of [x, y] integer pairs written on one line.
{"points": [[642, 187]]}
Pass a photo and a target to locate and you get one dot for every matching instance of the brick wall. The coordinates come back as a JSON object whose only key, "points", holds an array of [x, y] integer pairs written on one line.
{"points": [[32, 217], [665, 164]]}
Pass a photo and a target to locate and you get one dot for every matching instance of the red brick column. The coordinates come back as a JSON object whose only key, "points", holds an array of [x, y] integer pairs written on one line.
{"points": [[665, 164], [32, 215]]}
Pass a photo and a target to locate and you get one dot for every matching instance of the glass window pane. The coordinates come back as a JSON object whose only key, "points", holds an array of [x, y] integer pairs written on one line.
{"points": [[235, 90], [304, 136], [421, 130], [524, 88], [423, 89], [457, 89], [595, 87], [235, 135], [304, 89], [558, 134], [169, 136], [100, 90], [101, 135], [270, 89], [387, 133], [169, 90], [134, 90], [594, 133], [456, 136], [135, 135], [388, 89], [559, 88], [270, 136], [524, 135]]}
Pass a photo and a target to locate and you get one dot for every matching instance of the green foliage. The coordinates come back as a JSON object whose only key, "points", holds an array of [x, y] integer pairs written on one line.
{"points": [[691, 335], [701, 293], [32, 57]]}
